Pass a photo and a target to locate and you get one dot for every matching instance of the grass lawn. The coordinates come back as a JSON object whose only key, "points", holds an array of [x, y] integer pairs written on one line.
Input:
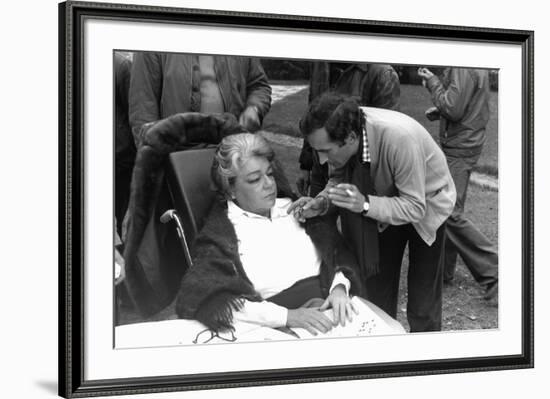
{"points": [[285, 115]]}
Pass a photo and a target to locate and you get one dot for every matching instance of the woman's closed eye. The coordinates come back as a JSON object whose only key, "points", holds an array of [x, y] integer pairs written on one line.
{"points": [[255, 178]]}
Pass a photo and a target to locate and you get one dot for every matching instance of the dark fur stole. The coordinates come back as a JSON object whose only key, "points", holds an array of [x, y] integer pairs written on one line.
{"points": [[158, 139]]}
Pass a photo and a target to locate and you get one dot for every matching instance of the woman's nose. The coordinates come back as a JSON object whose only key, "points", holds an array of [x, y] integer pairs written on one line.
{"points": [[269, 181]]}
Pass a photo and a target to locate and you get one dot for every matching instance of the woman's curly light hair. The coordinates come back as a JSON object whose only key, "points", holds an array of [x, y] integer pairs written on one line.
{"points": [[231, 154]]}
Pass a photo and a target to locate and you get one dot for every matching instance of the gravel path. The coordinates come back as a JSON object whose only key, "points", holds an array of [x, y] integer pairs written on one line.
{"points": [[278, 92]]}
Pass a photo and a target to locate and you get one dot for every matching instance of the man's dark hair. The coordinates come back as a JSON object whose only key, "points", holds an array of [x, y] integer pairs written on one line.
{"points": [[337, 113]]}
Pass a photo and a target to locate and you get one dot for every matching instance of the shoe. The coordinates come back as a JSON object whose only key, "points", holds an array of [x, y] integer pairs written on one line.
{"points": [[491, 291]]}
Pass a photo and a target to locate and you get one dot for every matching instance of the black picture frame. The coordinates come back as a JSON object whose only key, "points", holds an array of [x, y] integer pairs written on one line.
{"points": [[71, 199]]}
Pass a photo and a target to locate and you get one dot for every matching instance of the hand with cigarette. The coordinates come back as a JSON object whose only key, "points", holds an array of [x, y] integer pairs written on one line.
{"points": [[347, 196]]}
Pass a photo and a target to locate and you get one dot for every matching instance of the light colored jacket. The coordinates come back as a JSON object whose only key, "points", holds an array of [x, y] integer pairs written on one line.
{"points": [[462, 98]]}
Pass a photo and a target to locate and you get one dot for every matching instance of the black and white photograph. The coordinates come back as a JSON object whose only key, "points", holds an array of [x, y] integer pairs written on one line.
{"points": [[256, 199], [262, 199], [275, 199]]}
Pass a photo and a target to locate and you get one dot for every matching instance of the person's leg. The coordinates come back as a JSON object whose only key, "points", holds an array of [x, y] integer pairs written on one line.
{"points": [[382, 289], [449, 258], [461, 176], [425, 281], [463, 237]]}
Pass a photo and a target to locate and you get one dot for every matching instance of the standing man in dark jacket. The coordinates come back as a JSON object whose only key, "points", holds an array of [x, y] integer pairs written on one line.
{"points": [[165, 84], [376, 85], [462, 101]]}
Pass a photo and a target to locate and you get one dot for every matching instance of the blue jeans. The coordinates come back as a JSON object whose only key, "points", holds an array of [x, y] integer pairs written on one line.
{"points": [[462, 236]]}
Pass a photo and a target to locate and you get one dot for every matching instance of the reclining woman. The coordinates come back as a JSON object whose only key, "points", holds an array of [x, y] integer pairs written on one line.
{"points": [[254, 262]]}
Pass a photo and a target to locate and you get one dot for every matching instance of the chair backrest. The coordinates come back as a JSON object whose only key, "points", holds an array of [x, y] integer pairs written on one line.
{"points": [[188, 176]]}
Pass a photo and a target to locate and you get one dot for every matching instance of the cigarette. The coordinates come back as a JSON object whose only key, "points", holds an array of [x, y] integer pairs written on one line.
{"points": [[350, 193]]}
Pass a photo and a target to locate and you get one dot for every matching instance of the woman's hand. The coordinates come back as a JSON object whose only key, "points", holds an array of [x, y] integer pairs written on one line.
{"points": [[306, 207], [341, 304], [312, 319], [347, 196]]}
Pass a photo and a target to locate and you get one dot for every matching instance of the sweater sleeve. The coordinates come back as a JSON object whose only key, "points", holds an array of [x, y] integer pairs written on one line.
{"points": [[409, 174]]}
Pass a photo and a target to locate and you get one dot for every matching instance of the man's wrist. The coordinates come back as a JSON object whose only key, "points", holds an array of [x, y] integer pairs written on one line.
{"points": [[366, 207]]}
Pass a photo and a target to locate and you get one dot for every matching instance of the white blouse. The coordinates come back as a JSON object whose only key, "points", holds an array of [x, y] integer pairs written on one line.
{"points": [[275, 253]]}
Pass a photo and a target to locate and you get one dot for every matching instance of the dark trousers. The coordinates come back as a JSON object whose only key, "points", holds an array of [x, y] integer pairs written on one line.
{"points": [[123, 176], [463, 237], [424, 280]]}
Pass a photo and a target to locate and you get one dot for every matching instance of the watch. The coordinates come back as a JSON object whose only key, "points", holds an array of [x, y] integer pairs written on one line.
{"points": [[366, 207]]}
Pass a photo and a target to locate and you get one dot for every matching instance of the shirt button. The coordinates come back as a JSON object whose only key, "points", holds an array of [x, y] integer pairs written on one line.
{"points": [[195, 89]]}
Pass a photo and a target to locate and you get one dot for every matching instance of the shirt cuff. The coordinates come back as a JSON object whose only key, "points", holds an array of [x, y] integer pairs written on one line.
{"points": [[339, 278], [264, 313]]}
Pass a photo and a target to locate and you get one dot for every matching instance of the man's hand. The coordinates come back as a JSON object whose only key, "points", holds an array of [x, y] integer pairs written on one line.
{"points": [[341, 305], [306, 207], [302, 183], [312, 319], [425, 73], [249, 119], [432, 114], [347, 196]]}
